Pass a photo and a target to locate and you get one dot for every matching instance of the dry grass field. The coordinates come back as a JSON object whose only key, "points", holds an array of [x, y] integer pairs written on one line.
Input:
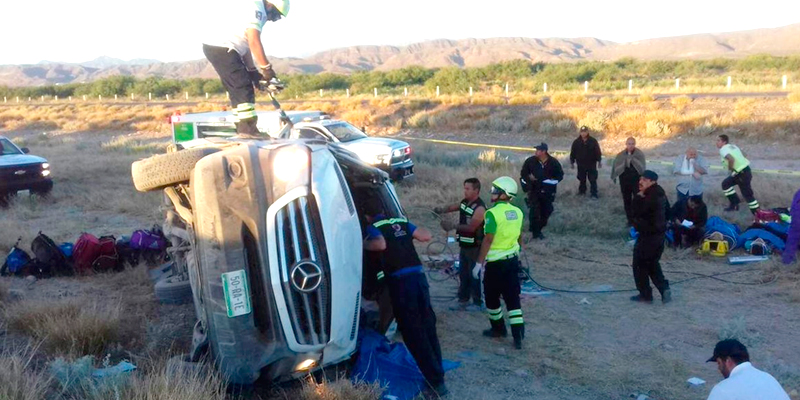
{"points": [[602, 348]]}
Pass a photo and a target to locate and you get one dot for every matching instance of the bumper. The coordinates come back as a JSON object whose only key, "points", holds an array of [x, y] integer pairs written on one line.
{"points": [[41, 185], [400, 171]]}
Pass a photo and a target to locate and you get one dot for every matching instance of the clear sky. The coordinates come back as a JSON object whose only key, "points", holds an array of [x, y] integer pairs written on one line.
{"points": [[171, 30]]}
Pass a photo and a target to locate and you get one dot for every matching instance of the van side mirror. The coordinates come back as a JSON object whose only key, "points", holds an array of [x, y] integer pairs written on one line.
{"points": [[25, 150]]}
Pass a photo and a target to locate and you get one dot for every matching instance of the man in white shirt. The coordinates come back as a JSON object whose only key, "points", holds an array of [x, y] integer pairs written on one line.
{"points": [[235, 51], [690, 169], [742, 380]]}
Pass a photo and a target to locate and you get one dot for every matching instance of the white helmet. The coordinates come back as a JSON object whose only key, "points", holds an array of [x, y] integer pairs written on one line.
{"points": [[281, 5]]}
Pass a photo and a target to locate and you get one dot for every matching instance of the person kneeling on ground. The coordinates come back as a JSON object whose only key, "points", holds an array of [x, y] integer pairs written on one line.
{"points": [[742, 380], [650, 220], [690, 219]]}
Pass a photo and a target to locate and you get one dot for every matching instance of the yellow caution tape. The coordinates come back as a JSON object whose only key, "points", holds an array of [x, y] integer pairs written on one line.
{"points": [[561, 152]]}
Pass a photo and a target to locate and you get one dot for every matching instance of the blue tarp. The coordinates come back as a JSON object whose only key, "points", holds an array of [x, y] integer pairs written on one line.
{"points": [[390, 364], [727, 229]]}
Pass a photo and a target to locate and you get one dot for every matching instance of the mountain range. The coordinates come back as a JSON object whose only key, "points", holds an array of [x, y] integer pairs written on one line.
{"points": [[434, 54]]}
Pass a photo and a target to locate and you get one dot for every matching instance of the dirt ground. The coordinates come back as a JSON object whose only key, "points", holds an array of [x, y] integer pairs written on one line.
{"points": [[578, 345]]}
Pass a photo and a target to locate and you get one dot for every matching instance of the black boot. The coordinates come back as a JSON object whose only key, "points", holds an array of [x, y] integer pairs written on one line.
{"points": [[732, 207], [641, 299], [518, 331], [497, 330]]}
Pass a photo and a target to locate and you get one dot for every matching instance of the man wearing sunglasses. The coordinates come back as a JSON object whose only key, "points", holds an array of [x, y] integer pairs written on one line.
{"points": [[237, 54]]}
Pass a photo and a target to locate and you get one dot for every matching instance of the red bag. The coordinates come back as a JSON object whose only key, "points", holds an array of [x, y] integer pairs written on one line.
{"points": [[766, 216], [85, 252], [107, 258]]}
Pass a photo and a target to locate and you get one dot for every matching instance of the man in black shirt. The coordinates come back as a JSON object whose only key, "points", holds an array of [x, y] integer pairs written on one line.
{"points": [[586, 152], [408, 289], [650, 221], [539, 177], [469, 233]]}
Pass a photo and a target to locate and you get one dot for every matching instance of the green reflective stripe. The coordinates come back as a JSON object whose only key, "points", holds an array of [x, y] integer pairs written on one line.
{"points": [[463, 239], [496, 317], [388, 222], [380, 275], [495, 311], [729, 192], [515, 313], [245, 110], [516, 321], [753, 205], [495, 255], [467, 209]]}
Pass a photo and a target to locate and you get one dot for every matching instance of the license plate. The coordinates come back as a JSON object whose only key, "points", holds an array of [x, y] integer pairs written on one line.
{"points": [[237, 293]]}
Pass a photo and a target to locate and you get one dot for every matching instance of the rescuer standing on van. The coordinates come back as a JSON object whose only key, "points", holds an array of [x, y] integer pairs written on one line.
{"points": [[500, 251], [237, 54]]}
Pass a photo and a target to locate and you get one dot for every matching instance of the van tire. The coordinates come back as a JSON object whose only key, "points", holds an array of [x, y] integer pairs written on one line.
{"points": [[162, 170], [174, 290]]}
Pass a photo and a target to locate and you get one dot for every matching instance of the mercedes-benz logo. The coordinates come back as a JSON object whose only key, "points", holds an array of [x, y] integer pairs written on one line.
{"points": [[306, 276]]}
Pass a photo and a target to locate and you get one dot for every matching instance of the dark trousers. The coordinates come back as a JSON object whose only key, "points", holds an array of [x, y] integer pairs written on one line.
{"points": [[587, 172], [411, 303], [685, 237], [743, 180], [469, 286], [683, 197], [646, 265], [541, 207], [629, 189], [502, 279], [238, 82]]}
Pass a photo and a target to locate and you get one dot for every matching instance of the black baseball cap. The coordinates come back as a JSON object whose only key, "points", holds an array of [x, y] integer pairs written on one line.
{"points": [[542, 146], [648, 174], [729, 348], [584, 128]]}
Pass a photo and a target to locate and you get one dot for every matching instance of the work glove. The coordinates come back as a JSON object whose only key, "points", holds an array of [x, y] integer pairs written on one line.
{"points": [[448, 225], [476, 271], [267, 73]]}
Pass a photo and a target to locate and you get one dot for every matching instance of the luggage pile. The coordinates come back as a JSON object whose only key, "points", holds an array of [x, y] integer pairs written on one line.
{"points": [[88, 255]]}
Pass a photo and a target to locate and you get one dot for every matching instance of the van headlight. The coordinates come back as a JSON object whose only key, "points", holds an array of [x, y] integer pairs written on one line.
{"points": [[290, 169]]}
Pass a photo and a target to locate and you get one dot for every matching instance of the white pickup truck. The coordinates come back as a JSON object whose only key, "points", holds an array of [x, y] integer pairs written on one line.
{"points": [[390, 155]]}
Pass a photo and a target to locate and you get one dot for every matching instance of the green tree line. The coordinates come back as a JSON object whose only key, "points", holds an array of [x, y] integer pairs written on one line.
{"points": [[520, 73]]}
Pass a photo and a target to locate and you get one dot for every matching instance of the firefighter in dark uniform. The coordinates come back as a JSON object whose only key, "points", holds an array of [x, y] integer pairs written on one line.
{"points": [[734, 161], [539, 176], [500, 251], [408, 289], [469, 233], [650, 221]]}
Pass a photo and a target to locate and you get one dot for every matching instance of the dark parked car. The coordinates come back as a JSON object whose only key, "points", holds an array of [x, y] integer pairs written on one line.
{"points": [[22, 171]]}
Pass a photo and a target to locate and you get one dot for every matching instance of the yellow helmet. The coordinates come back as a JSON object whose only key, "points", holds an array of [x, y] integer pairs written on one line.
{"points": [[281, 5], [506, 184]]}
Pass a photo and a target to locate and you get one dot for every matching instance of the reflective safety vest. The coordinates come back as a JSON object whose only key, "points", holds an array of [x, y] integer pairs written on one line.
{"points": [[739, 161], [507, 223], [465, 212]]}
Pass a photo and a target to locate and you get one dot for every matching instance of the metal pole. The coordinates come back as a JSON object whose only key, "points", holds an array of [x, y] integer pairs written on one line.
{"points": [[729, 83], [437, 91], [585, 86], [630, 85], [545, 87], [785, 80], [678, 83], [375, 90]]}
